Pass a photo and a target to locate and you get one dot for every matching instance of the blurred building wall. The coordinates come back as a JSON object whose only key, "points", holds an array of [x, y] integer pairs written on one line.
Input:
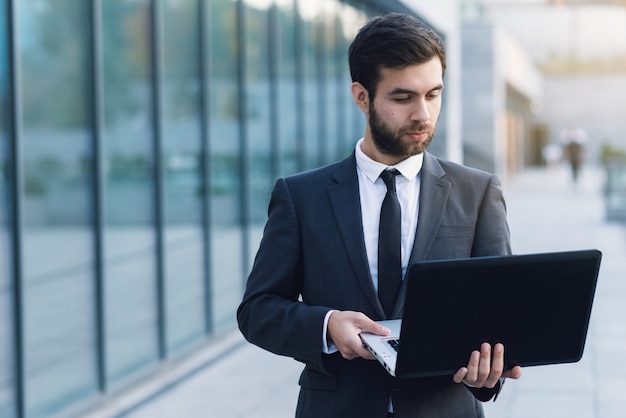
{"points": [[594, 102], [580, 47], [502, 91]]}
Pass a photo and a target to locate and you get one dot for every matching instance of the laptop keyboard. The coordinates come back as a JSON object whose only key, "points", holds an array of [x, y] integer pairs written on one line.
{"points": [[394, 344]]}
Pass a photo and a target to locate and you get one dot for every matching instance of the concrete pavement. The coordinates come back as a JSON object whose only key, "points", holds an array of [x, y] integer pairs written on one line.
{"points": [[237, 380]]}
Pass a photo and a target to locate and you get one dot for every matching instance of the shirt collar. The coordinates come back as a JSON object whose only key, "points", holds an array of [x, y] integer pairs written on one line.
{"points": [[409, 167]]}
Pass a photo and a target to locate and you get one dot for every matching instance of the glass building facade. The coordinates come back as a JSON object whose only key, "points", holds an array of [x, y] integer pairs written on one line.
{"points": [[139, 143]]}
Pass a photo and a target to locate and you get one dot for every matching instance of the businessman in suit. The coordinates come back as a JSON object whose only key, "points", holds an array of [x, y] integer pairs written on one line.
{"points": [[316, 284]]}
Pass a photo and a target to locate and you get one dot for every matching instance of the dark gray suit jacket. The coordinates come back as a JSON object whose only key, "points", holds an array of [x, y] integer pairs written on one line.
{"points": [[312, 258]]}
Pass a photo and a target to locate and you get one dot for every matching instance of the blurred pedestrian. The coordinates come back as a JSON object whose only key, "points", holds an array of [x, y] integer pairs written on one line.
{"points": [[573, 140]]}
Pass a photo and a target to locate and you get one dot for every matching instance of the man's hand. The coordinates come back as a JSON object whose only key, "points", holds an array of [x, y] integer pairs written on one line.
{"points": [[483, 370], [344, 328]]}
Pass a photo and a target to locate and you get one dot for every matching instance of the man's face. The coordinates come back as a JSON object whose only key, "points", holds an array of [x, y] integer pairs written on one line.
{"points": [[403, 116]]}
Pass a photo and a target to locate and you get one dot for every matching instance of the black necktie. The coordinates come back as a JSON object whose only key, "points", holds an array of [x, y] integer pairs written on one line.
{"points": [[389, 238]]}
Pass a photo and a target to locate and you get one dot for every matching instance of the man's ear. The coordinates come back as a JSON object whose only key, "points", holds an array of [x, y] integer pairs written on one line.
{"points": [[361, 97]]}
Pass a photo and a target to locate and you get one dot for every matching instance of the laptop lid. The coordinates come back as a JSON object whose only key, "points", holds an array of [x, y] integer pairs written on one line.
{"points": [[537, 305]]}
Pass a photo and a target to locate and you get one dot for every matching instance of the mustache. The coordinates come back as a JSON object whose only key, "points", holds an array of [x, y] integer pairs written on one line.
{"points": [[418, 127]]}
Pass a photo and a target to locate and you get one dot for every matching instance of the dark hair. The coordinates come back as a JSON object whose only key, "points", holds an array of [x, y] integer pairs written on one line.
{"points": [[395, 41]]}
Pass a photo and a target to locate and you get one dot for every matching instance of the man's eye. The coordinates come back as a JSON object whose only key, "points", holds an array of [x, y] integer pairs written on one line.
{"points": [[402, 99]]}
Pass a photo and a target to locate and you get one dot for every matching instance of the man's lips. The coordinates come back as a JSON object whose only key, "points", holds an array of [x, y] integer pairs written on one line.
{"points": [[418, 134]]}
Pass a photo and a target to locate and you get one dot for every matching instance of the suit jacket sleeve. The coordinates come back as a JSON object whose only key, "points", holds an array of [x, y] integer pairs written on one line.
{"points": [[271, 314]]}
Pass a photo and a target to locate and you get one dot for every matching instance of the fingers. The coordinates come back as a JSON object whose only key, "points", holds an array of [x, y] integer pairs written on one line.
{"points": [[496, 366], [514, 373], [344, 328], [368, 325], [483, 369], [460, 375], [473, 367]]}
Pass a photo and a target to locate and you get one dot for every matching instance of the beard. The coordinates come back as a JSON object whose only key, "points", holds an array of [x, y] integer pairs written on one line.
{"points": [[391, 143]]}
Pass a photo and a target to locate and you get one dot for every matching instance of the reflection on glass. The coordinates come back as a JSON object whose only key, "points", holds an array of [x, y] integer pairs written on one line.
{"points": [[7, 393], [351, 20], [346, 137], [330, 84], [258, 113], [129, 235], [59, 324], [226, 233], [311, 15], [287, 88], [182, 157]]}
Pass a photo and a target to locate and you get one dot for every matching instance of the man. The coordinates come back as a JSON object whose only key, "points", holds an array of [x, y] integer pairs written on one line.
{"points": [[313, 285], [573, 145]]}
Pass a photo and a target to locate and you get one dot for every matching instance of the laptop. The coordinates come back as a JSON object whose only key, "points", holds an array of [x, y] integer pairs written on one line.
{"points": [[537, 305]]}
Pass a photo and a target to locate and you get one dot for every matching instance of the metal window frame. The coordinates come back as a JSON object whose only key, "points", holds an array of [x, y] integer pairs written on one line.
{"points": [[95, 78], [16, 188], [156, 39], [244, 166], [273, 69], [321, 79], [205, 151], [298, 42]]}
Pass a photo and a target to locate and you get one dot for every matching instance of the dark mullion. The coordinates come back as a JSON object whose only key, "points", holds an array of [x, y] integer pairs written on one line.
{"points": [[16, 207], [340, 98], [320, 69], [98, 183], [204, 45], [159, 209], [273, 66], [243, 138], [298, 44]]}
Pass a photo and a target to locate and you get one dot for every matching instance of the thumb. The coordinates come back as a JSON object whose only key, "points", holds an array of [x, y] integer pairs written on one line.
{"points": [[373, 327]]}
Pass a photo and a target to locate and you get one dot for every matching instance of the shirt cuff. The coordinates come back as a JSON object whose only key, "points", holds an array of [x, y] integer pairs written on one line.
{"points": [[327, 348]]}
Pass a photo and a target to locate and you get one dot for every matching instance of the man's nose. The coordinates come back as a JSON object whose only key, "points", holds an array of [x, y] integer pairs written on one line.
{"points": [[419, 112]]}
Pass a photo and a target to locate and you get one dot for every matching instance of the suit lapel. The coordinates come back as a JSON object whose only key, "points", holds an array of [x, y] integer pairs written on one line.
{"points": [[346, 203], [434, 191]]}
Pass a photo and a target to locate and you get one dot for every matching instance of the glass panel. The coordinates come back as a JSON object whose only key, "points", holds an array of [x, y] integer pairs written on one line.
{"points": [[310, 13], [129, 235], [7, 392], [330, 83], [59, 324], [287, 88], [352, 20], [258, 114], [225, 163], [352, 121], [182, 156]]}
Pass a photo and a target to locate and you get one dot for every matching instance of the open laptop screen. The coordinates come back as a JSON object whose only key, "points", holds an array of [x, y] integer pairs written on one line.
{"points": [[537, 305]]}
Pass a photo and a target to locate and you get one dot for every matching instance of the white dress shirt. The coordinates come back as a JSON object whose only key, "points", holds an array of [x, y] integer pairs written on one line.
{"points": [[372, 191]]}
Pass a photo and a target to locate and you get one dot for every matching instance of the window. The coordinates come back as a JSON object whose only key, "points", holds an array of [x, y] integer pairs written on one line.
{"points": [[129, 199], [58, 242], [7, 361], [285, 38], [312, 35], [225, 165], [182, 173]]}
